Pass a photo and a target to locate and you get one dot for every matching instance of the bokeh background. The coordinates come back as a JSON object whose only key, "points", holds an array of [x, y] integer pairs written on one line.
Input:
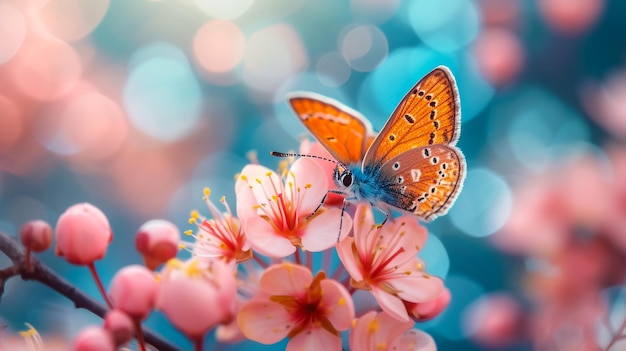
{"points": [[136, 105]]}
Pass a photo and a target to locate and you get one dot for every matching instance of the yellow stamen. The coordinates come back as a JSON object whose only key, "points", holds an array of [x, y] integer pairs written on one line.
{"points": [[188, 232], [207, 191]]}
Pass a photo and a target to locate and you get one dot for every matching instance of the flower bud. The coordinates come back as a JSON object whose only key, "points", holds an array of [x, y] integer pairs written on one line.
{"points": [[428, 310], [82, 234], [133, 291], [36, 235], [93, 338], [157, 241], [197, 295], [120, 325]]}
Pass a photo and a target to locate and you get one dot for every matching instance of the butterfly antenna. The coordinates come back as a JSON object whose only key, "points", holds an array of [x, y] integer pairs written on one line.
{"points": [[285, 154]]}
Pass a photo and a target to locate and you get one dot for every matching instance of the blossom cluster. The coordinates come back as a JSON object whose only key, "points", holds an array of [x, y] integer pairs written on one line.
{"points": [[569, 226], [286, 265]]}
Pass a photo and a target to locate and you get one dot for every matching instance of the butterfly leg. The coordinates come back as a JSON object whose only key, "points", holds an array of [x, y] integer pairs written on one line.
{"points": [[385, 211], [343, 209], [322, 202]]}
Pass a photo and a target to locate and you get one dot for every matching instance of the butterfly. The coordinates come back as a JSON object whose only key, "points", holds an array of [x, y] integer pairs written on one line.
{"points": [[412, 165]]}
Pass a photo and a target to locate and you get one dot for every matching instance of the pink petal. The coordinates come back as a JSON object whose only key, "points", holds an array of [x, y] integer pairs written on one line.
{"points": [[265, 322], [372, 330], [246, 203], [390, 304], [322, 231], [285, 279], [305, 172], [361, 336], [406, 236], [265, 240], [363, 227], [417, 287], [414, 340], [338, 304], [344, 250], [314, 340], [263, 180]]}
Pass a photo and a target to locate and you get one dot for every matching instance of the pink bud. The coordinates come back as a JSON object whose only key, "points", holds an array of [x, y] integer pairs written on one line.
{"points": [[83, 234], [157, 241], [429, 310], [197, 295], [93, 338], [36, 235], [133, 291], [120, 325]]}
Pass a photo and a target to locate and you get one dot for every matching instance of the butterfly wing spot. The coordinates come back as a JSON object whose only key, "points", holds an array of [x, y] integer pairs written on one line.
{"points": [[415, 175], [332, 139], [444, 165], [396, 165], [409, 118], [392, 137], [436, 124], [433, 103], [434, 160], [433, 113], [428, 97], [446, 138], [421, 93], [431, 139], [403, 189], [426, 152], [400, 180], [433, 190]]}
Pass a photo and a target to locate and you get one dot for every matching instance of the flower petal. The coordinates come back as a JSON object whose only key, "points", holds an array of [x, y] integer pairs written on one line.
{"points": [[263, 182], [265, 322], [349, 261], [322, 231], [285, 279], [305, 173], [265, 240], [390, 304], [338, 304], [414, 340], [417, 287], [372, 331], [314, 340]]}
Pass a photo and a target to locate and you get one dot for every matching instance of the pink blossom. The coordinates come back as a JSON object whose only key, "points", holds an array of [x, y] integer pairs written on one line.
{"points": [[292, 303], [120, 325], [157, 241], [423, 311], [196, 295], [221, 237], [133, 291], [383, 332], [93, 339], [494, 320], [276, 214], [83, 234], [384, 261], [314, 148]]}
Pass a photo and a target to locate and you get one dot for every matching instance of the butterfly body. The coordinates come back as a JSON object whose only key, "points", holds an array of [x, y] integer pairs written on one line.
{"points": [[412, 165]]}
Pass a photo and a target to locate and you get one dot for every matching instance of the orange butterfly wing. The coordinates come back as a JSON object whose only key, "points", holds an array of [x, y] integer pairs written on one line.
{"points": [[424, 181], [429, 114], [343, 132]]}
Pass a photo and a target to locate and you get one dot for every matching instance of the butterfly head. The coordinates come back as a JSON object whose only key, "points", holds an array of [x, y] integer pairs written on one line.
{"points": [[343, 176]]}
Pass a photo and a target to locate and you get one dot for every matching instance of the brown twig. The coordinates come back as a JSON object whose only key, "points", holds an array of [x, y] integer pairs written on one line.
{"points": [[43, 274]]}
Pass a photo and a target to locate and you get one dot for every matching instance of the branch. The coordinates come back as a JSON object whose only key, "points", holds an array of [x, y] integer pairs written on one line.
{"points": [[45, 275]]}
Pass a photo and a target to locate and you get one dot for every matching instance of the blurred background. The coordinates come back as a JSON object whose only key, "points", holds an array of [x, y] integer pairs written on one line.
{"points": [[136, 105]]}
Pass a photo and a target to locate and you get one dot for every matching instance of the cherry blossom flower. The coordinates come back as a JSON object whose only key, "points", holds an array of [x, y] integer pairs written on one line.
{"points": [[196, 295], [279, 216], [383, 260], [382, 332], [311, 311], [220, 237]]}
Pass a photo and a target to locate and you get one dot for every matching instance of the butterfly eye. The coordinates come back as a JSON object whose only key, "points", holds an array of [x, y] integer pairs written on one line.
{"points": [[346, 179]]}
